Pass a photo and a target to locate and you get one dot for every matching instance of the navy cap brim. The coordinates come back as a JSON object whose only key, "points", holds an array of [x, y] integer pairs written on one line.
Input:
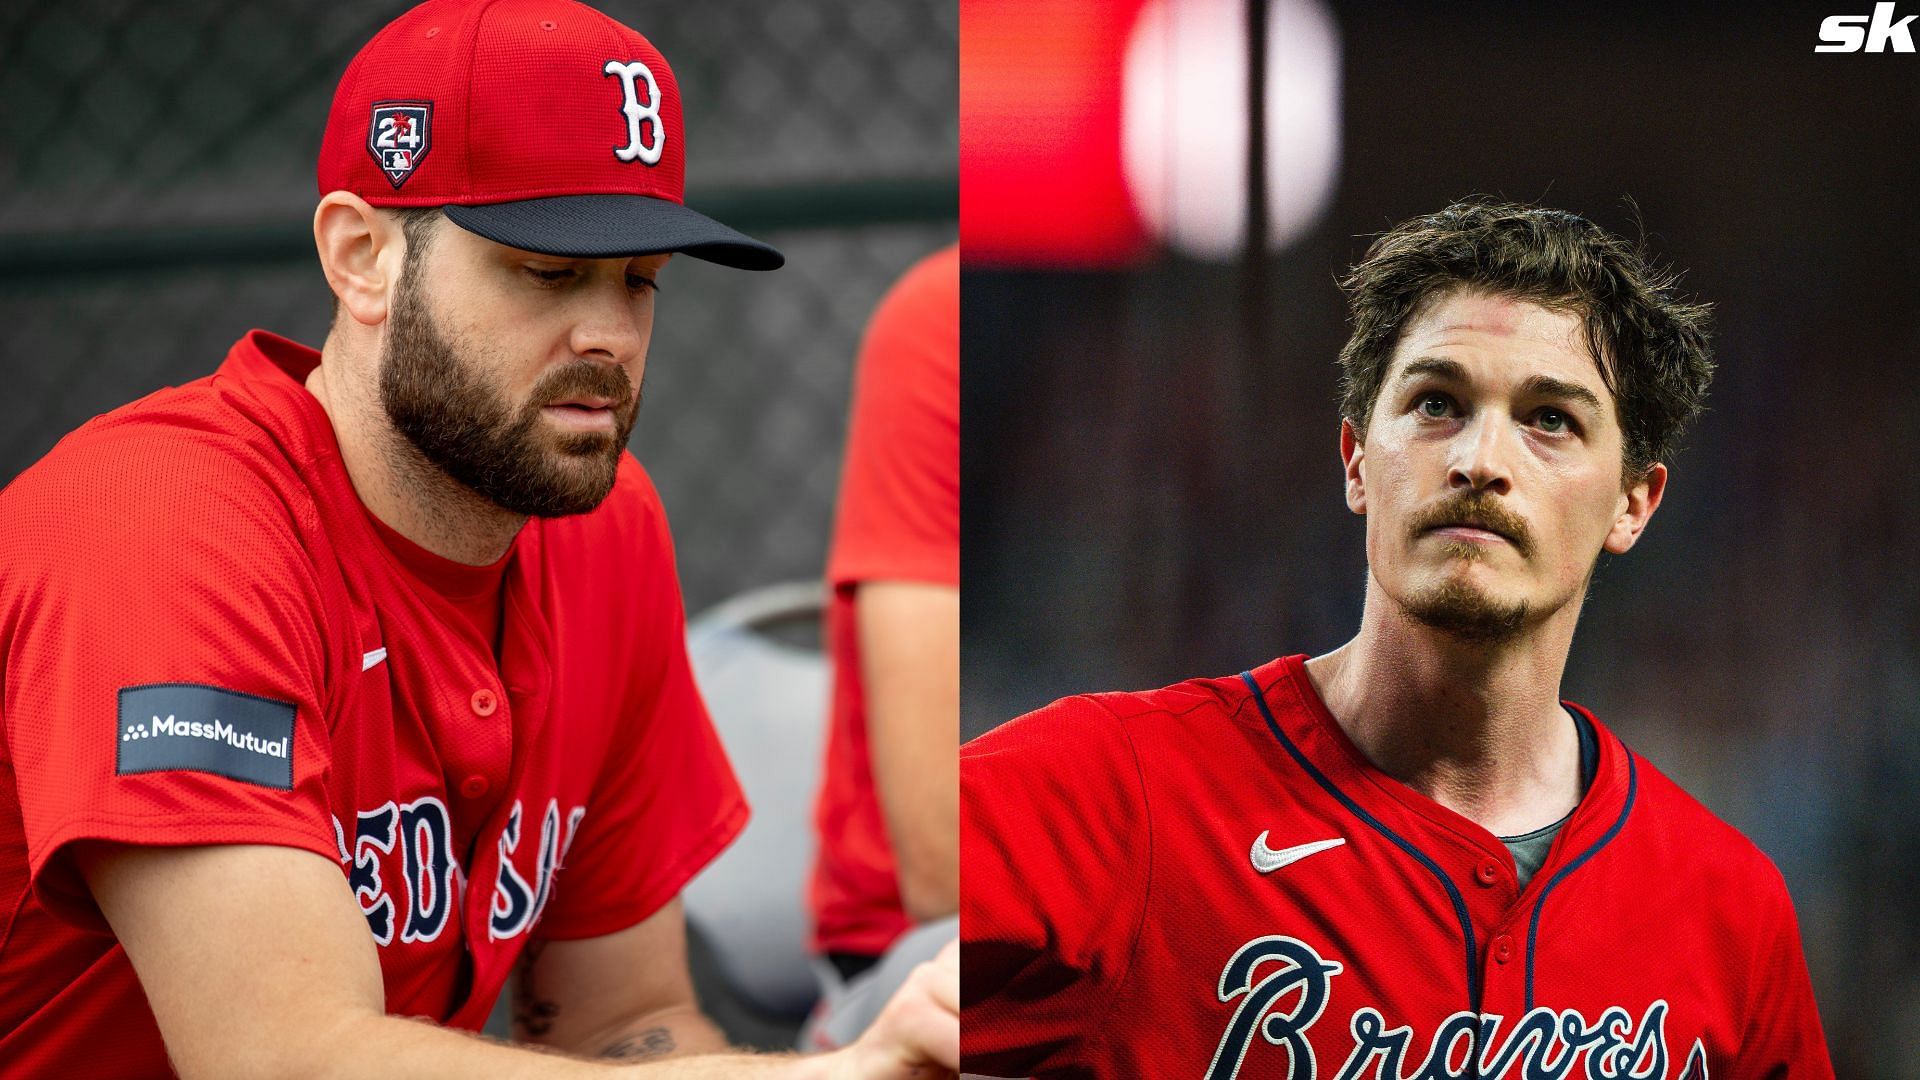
{"points": [[611, 227]]}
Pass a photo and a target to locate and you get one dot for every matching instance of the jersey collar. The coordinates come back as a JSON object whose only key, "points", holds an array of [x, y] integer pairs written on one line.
{"points": [[1306, 721]]}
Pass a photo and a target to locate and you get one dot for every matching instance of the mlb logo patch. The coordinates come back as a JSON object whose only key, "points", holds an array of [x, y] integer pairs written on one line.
{"points": [[398, 136]]}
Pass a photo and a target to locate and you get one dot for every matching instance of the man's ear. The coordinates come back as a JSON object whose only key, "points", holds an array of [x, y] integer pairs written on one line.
{"points": [[1637, 505], [1352, 456], [361, 253]]}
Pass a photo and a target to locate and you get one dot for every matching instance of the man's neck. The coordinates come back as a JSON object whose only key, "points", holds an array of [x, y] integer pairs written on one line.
{"points": [[397, 484], [1476, 727]]}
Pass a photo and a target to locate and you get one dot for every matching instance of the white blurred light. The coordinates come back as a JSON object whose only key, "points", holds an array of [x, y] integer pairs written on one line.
{"points": [[1184, 121]]}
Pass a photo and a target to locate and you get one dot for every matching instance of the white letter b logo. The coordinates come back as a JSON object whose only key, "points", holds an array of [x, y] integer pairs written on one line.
{"points": [[648, 153]]}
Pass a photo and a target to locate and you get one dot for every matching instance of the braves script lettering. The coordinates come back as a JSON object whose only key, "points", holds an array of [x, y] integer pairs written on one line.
{"points": [[1282, 987]]}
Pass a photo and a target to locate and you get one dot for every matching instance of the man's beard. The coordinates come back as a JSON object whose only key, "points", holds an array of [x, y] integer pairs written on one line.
{"points": [[1457, 608], [508, 456], [1468, 614]]}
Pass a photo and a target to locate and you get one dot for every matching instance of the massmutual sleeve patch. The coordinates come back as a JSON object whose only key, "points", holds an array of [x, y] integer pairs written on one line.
{"points": [[206, 729]]}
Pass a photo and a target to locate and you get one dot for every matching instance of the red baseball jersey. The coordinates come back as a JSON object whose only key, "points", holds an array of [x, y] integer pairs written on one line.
{"points": [[898, 520], [204, 641], [1210, 880]]}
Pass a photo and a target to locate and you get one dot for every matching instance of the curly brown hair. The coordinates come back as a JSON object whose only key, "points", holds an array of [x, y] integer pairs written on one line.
{"points": [[1652, 346]]}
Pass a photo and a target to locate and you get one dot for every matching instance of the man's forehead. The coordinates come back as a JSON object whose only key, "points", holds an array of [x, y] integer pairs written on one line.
{"points": [[1499, 334]]}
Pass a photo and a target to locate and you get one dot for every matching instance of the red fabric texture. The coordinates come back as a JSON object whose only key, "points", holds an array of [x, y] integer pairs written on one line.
{"points": [[899, 520], [209, 534], [1113, 922], [542, 122], [477, 592]]}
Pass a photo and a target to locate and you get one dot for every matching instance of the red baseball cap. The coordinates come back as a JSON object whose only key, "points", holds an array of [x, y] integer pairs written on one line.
{"points": [[539, 124]]}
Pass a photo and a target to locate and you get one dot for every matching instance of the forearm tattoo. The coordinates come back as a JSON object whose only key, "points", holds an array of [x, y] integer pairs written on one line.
{"points": [[651, 1043], [532, 1016]]}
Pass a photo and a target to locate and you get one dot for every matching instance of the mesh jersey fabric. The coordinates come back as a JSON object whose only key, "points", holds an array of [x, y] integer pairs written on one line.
{"points": [[477, 592], [209, 535], [1113, 923], [898, 519]]}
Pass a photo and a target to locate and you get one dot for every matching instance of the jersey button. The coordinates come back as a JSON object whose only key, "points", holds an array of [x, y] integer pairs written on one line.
{"points": [[1503, 948], [484, 702], [1488, 873], [474, 786]]}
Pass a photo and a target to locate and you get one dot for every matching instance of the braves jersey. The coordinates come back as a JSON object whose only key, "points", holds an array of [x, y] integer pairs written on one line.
{"points": [[204, 641], [1210, 881]]}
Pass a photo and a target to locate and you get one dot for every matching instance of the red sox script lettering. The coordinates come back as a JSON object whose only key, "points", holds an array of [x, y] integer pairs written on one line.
{"points": [[404, 874]]}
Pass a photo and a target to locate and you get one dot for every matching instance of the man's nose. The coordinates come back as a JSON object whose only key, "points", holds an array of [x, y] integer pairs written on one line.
{"points": [[1482, 455], [611, 327]]}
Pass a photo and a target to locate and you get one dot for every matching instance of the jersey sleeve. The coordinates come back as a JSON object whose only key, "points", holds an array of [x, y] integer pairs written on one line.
{"points": [[1783, 1036], [1054, 855], [666, 801], [161, 656], [899, 504]]}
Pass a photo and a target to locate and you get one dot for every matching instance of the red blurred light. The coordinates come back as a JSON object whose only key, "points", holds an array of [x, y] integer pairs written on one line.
{"points": [[1041, 181]]}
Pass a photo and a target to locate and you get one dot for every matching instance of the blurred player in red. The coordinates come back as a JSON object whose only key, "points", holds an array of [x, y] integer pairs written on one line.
{"points": [[1407, 857], [886, 884], [341, 687]]}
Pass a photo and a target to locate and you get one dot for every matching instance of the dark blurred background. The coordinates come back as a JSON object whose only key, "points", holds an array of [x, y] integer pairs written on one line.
{"points": [[157, 194], [1152, 483]]}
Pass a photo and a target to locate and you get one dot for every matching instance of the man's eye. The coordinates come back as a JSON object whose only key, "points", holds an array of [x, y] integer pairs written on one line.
{"points": [[1553, 421], [1434, 406], [642, 283], [551, 277]]}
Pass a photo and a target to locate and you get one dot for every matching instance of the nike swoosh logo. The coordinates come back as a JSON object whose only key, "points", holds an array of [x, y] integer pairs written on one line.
{"points": [[372, 658], [1266, 860]]}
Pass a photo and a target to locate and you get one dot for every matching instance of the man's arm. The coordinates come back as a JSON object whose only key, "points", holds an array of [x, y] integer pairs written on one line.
{"points": [[1048, 928], [623, 995], [257, 963], [910, 670], [1782, 1035]]}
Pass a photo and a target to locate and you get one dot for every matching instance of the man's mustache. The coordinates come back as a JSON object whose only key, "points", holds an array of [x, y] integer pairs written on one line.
{"points": [[1479, 511], [586, 380]]}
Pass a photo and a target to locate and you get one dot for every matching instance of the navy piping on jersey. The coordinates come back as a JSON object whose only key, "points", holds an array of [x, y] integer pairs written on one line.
{"points": [[1533, 924], [1453, 893]]}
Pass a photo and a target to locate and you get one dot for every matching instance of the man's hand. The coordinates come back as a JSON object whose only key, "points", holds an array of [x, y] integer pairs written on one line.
{"points": [[917, 1036]]}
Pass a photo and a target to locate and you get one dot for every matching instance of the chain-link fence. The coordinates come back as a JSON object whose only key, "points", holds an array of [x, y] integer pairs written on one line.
{"points": [[157, 185]]}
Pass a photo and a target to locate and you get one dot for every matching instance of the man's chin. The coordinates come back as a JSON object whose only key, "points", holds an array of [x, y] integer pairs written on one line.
{"points": [[1467, 611], [558, 504], [573, 483]]}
